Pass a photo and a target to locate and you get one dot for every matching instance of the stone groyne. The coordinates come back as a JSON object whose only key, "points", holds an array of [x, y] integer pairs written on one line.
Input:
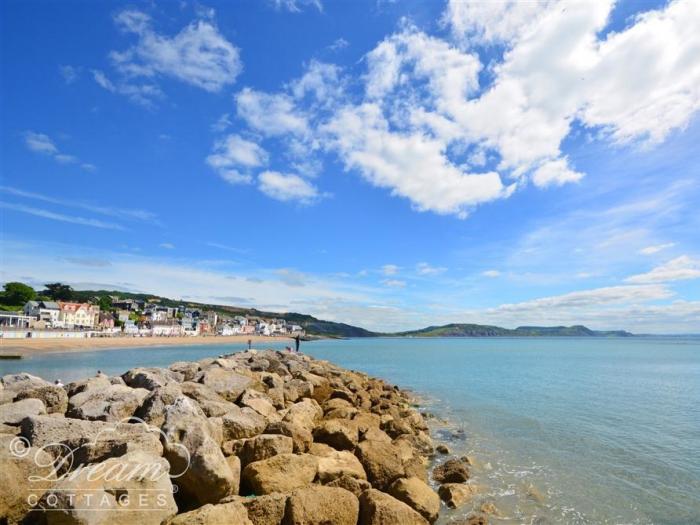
{"points": [[255, 437]]}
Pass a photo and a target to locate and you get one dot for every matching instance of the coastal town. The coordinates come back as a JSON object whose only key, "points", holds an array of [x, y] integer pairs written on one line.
{"points": [[116, 316]]}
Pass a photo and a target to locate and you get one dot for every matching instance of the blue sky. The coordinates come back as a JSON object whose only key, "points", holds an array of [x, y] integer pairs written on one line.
{"points": [[387, 164]]}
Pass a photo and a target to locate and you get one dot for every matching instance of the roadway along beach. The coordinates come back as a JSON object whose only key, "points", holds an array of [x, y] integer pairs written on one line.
{"points": [[43, 346]]}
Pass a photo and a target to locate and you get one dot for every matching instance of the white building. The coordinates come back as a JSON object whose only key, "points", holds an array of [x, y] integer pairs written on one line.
{"points": [[166, 329], [47, 311]]}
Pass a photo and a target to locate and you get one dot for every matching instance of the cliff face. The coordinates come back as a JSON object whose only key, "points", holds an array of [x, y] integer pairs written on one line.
{"points": [[259, 437]]}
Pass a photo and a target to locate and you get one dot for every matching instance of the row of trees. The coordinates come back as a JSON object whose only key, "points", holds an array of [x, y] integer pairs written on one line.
{"points": [[17, 294]]}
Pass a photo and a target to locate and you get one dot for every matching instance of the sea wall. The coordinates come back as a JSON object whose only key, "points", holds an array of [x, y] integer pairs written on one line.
{"points": [[255, 437]]}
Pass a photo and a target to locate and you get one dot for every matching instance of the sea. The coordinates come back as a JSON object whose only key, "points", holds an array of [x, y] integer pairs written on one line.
{"points": [[559, 430]]}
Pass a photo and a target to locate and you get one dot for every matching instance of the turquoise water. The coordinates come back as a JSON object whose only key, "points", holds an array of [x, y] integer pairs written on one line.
{"points": [[562, 430]]}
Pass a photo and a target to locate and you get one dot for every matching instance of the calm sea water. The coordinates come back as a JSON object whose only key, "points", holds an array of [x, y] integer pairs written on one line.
{"points": [[562, 430]]}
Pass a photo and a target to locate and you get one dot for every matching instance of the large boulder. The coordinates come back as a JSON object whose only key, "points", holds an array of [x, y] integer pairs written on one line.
{"points": [[14, 413], [301, 437], [266, 509], [92, 383], [340, 434], [152, 411], [265, 446], [318, 505], [54, 397], [456, 494], [382, 462], [259, 402], [378, 508], [187, 369], [417, 495], [203, 474], [354, 485], [113, 403], [150, 378], [306, 413], [134, 488], [451, 471], [18, 462], [231, 513], [22, 381], [211, 403], [333, 464], [80, 442], [281, 473], [242, 423], [227, 383]]}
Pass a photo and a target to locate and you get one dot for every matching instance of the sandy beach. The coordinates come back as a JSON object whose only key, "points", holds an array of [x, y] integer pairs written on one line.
{"points": [[43, 346]]}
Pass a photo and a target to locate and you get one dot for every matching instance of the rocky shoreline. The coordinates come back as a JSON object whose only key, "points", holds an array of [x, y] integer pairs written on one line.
{"points": [[255, 437]]}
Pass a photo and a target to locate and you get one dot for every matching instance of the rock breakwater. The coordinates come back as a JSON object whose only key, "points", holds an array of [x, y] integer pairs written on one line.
{"points": [[255, 437]]}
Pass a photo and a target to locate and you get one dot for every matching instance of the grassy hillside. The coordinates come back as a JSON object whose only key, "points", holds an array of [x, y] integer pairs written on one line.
{"points": [[311, 325]]}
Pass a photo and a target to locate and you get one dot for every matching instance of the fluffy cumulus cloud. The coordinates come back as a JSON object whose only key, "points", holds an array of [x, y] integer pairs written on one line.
{"points": [[269, 114], [233, 155], [678, 269], [438, 121], [198, 55], [287, 187]]}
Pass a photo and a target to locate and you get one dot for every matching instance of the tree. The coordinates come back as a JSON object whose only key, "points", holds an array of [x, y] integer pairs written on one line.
{"points": [[59, 291], [18, 293], [105, 303]]}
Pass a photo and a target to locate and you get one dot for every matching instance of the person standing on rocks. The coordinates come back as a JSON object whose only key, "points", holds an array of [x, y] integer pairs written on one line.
{"points": [[297, 340]]}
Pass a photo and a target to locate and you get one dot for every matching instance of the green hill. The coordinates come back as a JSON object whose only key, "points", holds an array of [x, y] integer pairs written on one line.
{"points": [[477, 330]]}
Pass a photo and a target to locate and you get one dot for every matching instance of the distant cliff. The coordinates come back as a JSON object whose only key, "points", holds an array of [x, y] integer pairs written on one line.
{"points": [[478, 330]]}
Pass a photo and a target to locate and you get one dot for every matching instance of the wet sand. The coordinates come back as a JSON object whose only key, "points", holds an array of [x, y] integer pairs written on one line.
{"points": [[44, 346]]}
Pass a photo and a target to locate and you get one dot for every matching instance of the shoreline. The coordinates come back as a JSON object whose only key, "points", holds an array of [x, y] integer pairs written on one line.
{"points": [[29, 347]]}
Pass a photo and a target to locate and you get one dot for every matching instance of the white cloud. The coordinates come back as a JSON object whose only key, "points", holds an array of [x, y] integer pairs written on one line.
{"points": [[591, 298], [491, 273], [295, 6], [680, 268], [555, 173], [235, 177], [390, 269], [270, 114], [287, 187], [233, 156], [320, 79], [167, 246], [198, 55], [69, 74], [122, 213], [394, 283], [223, 123], [413, 165], [41, 143], [479, 22], [339, 43], [142, 94], [427, 127], [424, 268], [60, 217], [234, 150], [656, 248]]}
